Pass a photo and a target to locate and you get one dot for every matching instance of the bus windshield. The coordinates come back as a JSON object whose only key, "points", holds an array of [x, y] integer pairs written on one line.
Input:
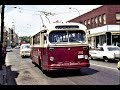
{"points": [[67, 36]]}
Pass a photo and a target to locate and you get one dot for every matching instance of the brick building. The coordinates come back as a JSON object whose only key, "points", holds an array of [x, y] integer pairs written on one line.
{"points": [[103, 25]]}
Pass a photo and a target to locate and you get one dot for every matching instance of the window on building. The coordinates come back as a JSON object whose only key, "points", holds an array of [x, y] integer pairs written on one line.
{"points": [[104, 19], [96, 20], [100, 19], [118, 17], [92, 22], [88, 23], [85, 22]]}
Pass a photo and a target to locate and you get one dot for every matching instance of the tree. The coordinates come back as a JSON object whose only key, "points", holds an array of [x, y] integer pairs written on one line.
{"points": [[25, 38]]}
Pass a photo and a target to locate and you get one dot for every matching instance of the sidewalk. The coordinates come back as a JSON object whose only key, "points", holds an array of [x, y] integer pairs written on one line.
{"points": [[3, 80]]}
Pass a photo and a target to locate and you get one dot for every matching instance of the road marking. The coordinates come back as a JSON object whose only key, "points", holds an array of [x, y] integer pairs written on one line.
{"points": [[105, 66]]}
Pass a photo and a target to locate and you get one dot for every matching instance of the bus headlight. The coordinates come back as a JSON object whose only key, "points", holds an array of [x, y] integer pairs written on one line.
{"points": [[52, 59]]}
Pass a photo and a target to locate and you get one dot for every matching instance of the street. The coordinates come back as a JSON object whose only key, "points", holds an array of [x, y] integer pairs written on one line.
{"points": [[21, 71]]}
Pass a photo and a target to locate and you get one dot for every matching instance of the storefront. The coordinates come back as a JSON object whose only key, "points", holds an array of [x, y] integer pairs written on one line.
{"points": [[109, 35]]}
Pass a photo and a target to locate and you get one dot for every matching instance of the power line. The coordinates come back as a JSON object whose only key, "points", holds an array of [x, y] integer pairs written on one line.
{"points": [[46, 15], [20, 8]]}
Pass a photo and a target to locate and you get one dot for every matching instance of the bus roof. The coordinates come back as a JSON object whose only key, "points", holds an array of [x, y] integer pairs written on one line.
{"points": [[53, 25], [62, 25]]}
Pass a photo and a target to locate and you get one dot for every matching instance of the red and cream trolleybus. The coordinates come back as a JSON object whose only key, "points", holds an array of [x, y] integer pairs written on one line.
{"points": [[60, 46]]}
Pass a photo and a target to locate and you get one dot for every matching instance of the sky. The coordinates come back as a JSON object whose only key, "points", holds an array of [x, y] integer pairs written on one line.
{"points": [[27, 18]]}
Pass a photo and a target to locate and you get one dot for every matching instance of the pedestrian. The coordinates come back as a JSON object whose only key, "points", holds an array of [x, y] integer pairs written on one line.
{"points": [[4, 54]]}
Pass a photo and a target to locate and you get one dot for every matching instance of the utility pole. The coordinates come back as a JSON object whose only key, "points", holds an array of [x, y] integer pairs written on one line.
{"points": [[2, 32], [2, 23]]}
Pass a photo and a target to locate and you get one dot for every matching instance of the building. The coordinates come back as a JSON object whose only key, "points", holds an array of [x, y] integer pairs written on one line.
{"points": [[10, 38], [103, 25]]}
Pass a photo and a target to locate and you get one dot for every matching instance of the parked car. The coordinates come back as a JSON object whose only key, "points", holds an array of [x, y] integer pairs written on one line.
{"points": [[118, 44], [25, 50], [106, 53], [8, 49], [17, 47]]}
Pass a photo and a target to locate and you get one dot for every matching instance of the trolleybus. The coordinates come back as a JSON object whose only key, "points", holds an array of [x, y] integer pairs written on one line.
{"points": [[60, 46]]}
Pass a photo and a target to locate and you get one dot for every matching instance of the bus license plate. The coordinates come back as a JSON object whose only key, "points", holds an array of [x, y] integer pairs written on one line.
{"points": [[80, 56]]}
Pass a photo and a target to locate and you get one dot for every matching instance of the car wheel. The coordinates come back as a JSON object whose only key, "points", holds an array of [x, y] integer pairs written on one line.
{"points": [[118, 68], [22, 56], [105, 58], [90, 57]]}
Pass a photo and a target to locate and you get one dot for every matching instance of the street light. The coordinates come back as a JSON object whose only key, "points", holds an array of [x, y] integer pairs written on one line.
{"points": [[75, 9]]}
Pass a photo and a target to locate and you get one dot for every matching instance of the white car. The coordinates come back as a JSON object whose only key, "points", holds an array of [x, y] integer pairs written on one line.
{"points": [[8, 49], [17, 47], [106, 53], [25, 50]]}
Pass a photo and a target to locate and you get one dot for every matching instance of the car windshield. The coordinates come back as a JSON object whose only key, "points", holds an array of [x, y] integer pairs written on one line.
{"points": [[113, 48], [8, 47], [26, 46], [67, 36]]}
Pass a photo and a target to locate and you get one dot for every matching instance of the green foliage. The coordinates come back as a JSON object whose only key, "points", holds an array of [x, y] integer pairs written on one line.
{"points": [[25, 38]]}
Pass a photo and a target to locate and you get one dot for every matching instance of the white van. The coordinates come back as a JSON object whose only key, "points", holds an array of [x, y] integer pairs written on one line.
{"points": [[25, 50]]}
